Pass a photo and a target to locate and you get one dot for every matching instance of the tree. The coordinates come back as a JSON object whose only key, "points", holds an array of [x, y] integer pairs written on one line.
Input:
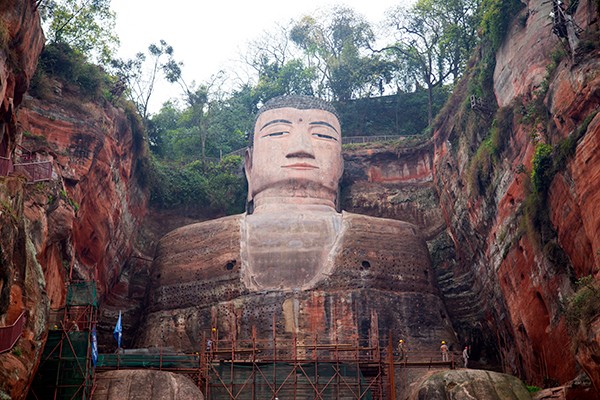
{"points": [[278, 66], [139, 74], [86, 26], [337, 48], [434, 40]]}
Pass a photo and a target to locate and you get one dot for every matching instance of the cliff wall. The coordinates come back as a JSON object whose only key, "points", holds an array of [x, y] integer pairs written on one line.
{"points": [[517, 249], [82, 224]]}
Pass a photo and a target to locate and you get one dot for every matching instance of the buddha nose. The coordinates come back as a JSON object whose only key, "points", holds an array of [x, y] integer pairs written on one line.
{"points": [[300, 145]]}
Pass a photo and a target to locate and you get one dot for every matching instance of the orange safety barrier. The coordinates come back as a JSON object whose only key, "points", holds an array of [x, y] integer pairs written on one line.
{"points": [[10, 334]]}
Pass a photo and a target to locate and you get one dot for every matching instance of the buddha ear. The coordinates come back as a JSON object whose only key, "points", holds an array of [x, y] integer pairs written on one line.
{"points": [[248, 171]]}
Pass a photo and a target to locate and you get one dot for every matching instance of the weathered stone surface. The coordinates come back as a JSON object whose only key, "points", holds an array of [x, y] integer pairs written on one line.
{"points": [[467, 384], [145, 384], [21, 278], [394, 183], [588, 350], [380, 267], [87, 218], [521, 61], [518, 278]]}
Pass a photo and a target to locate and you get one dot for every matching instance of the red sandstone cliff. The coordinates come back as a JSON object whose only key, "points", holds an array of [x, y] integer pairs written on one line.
{"points": [[517, 277], [21, 279], [83, 223]]}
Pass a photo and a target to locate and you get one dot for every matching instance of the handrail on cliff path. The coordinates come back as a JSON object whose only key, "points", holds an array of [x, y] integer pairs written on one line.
{"points": [[9, 335], [6, 166], [35, 171]]}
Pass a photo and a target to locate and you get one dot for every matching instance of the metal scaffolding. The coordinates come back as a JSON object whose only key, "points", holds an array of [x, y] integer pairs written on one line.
{"points": [[291, 368], [65, 371]]}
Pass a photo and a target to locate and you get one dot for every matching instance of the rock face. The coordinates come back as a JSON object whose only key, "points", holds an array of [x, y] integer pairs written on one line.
{"points": [[470, 384], [380, 283], [394, 183], [21, 277], [516, 272], [145, 384], [80, 224]]}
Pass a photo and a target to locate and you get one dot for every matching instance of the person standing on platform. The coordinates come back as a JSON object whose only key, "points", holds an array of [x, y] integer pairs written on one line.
{"points": [[465, 355], [444, 351]]}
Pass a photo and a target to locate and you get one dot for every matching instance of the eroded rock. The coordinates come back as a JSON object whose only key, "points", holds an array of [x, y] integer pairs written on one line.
{"points": [[145, 384]]}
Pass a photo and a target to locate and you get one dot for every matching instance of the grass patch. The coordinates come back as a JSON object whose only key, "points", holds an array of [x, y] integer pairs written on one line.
{"points": [[533, 389], [17, 352]]}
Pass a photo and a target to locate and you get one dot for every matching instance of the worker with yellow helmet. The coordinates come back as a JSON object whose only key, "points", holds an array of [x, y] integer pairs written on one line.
{"points": [[444, 351], [401, 349]]}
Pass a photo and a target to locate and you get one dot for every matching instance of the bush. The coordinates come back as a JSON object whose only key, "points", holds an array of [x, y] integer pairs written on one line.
{"points": [[61, 61], [214, 188], [533, 389], [584, 305], [495, 19], [542, 171]]}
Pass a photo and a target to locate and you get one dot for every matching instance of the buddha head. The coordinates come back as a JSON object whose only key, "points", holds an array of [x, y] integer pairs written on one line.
{"points": [[295, 155]]}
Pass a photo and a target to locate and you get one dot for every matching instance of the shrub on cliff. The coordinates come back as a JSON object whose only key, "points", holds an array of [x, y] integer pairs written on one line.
{"points": [[60, 61], [584, 305], [210, 188], [495, 19]]}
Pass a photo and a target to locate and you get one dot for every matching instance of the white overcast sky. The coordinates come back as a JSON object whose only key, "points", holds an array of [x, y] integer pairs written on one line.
{"points": [[210, 35]]}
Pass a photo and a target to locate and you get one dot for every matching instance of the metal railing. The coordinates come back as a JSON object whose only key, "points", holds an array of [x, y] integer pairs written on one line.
{"points": [[370, 139], [6, 166], [10, 334], [35, 171]]}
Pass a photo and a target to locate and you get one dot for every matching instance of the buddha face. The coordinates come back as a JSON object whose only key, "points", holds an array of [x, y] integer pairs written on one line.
{"points": [[297, 154]]}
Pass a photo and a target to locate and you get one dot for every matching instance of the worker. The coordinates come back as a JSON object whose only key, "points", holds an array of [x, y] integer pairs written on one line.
{"points": [[465, 355], [401, 348], [444, 351]]}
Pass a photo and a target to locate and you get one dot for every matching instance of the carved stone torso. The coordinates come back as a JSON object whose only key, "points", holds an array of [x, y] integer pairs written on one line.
{"points": [[352, 274], [288, 252]]}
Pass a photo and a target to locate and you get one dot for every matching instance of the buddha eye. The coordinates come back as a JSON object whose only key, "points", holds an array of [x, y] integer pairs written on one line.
{"points": [[324, 136], [276, 134]]}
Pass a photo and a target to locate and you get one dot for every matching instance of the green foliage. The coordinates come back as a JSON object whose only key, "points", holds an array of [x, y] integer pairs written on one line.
{"points": [[7, 207], [207, 188], [542, 171], [141, 73], [336, 44], [584, 305], [436, 39], [17, 352], [61, 61], [277, 80], [481, 168], [496, 16], [86, 26], [565, 149], [533, 389]]}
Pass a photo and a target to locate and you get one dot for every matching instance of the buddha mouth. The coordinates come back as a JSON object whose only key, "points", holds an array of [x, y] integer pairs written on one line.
{"points": [[302, 166]]}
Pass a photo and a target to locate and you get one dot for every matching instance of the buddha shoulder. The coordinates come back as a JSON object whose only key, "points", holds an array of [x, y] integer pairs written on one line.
{"points": [[201, 248]]}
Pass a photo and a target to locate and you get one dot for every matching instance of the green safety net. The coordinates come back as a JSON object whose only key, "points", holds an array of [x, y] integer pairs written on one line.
{"points": [[82, 294], [301, 381], [64, 368], [164, 361]]}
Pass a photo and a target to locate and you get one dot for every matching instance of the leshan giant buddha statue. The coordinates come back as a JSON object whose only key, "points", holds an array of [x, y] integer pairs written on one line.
{"points": [[293, 255]]}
